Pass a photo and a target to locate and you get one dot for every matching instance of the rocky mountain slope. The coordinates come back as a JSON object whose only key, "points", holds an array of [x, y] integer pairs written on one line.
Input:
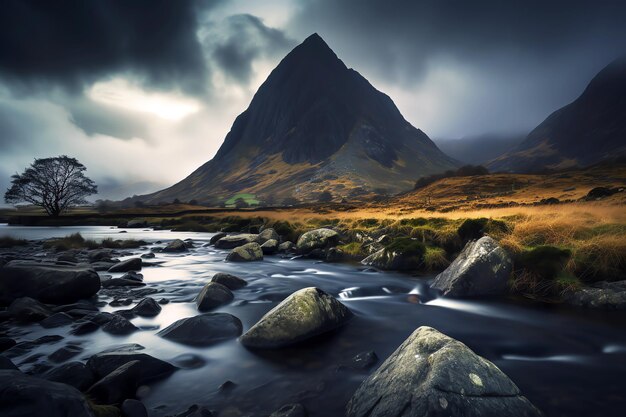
{"points": [[313, 125], [590, 129]]}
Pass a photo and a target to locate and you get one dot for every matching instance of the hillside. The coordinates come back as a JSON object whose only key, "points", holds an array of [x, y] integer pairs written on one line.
{"points": [[586, 131]]}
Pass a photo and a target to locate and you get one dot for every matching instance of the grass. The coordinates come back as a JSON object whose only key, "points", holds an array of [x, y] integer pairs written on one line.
{"points": [[77, 241], [353, 249], [435, 259], [10, 242], [250, 199]]}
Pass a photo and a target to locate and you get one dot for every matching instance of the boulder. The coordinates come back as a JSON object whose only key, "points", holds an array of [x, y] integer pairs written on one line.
{"points": [[213, 295], [148, 307], [22, 395], [290, 410], [51, 284], [7, 364], [270, 247], [132, 264], [118, 325], [149, 255], [216, 237], [64, 353], [402, 254], [76, 374], [132, 275], [104, 363], [27, 309], [601, 295], [232, 241], [99, 255], [120, 384], [482, 268], [268, 234], [134, 408], [304, 314], [121, 282], [203, 330], [317, 239], [175, 246], [287, 247], [231, 282], [56, 320], [431, 374], [247, 253]]}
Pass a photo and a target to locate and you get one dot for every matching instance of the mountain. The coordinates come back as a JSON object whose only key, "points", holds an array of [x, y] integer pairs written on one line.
{"points": [[590, 129], [313, 125], [478, 150]]}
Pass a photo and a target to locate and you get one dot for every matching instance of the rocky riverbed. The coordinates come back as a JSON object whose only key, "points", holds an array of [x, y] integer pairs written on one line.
{"points": [[175, 328]]}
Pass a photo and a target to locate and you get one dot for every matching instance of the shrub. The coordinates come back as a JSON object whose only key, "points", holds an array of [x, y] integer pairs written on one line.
{"points": [[9, 242]]}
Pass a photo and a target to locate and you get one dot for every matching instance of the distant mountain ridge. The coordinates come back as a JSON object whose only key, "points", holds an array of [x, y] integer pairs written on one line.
{"points": [[590, 129], [314, 125], [480, 149]]}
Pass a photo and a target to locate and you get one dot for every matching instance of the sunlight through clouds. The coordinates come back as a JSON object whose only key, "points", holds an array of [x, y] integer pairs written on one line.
{"points": [[119, 92]]}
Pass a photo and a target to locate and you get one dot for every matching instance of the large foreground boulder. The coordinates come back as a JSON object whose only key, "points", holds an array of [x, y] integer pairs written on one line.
{"points": [[317, 239], [431, 374], [203, 330], [247, 253], [304, 314], [232, 241], [22, 395], [482, 268], [51, 284], [213, 295]]}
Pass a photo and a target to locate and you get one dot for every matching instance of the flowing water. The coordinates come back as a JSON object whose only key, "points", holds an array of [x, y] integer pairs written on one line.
{"points": [[567, 362]]}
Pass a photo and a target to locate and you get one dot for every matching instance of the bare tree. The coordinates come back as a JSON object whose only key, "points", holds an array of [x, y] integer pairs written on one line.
{"points": [[55, 184]]}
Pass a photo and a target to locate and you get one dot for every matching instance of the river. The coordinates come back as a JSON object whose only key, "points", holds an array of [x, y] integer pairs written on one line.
{"points": [[568, 362]]}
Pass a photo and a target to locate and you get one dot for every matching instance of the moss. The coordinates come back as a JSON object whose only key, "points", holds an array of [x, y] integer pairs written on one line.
{"points": [[9, 242], [435, 259], [352, 249], [567, 283], [472, 229], [543, 262], [407, 247]]}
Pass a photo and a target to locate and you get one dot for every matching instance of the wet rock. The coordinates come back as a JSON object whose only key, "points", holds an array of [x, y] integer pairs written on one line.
{"points": [[133, 408], [203, 330], [22, 395], [403, 254], [51, 284], [7, 364], [268, 234], [79, 305], [216, 237], [270, 247], [335, 255], [361, 361], [56, 320], [247, 253], [65, 353], [67, 257], [304, 314], [602, 295], [175, 246], [232, 241], [227, 387], [317, 239], [101, 265], [118, 325], [22, 348], [132, 264], [286, 247], [213, 295], [6, 343], [132, 275], [195, 411], [148, 307], [290, 410], [231, 282], [76, 374], [121, 282], [148, 255], [120, 384], [99, 255], [482, 268], [84, 327], [189, 361], [431, 374], [152, 368], [27, 309]]}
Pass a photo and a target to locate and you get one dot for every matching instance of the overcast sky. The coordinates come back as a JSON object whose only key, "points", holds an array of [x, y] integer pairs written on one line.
{"points": [[143, 92]]}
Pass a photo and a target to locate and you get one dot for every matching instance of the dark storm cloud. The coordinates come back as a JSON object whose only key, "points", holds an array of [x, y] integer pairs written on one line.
{"points": [[93, 118], [240, 41], [75, 42], [403, 32]]}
